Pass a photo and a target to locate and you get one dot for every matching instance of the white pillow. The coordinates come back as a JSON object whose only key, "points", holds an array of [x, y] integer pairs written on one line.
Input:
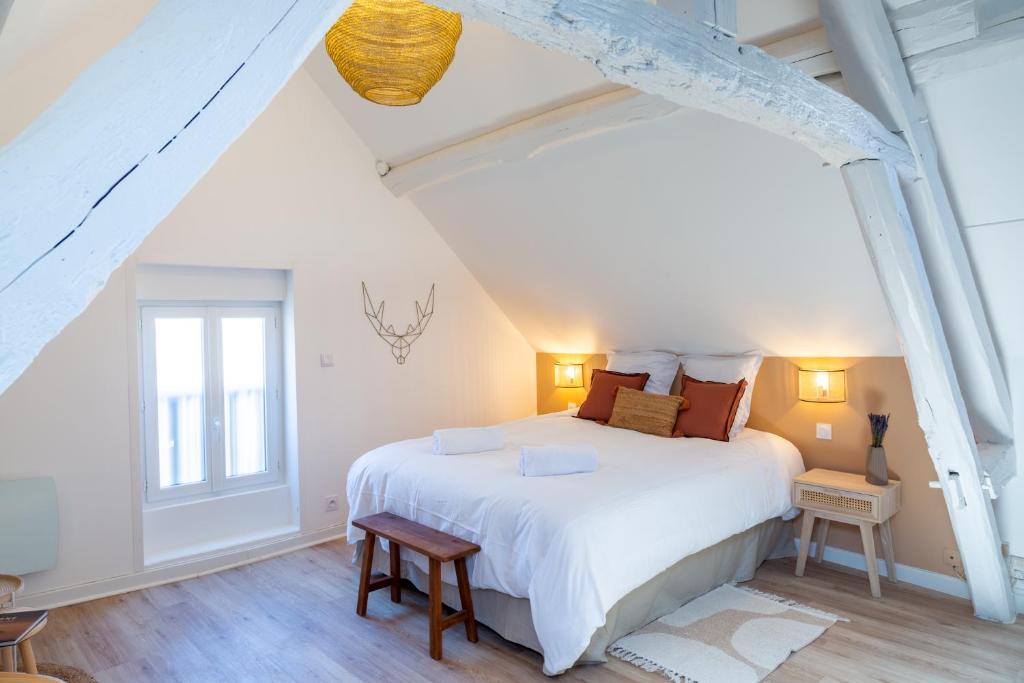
{"points": [[727, 369], [660, 365]]}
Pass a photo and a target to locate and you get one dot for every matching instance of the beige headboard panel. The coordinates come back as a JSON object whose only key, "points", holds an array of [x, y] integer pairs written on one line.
{"points": [[877, 384]]}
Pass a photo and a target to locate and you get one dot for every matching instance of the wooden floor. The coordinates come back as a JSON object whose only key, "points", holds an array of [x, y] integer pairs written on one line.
{"points": [[292, 618]]}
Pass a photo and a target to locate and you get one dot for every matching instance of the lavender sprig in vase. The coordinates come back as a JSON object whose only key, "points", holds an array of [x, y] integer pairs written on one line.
{"points": [[877, 468]]}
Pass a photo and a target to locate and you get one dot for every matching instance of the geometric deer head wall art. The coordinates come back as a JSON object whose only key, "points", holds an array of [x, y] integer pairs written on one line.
{"points": [[399, 343]]}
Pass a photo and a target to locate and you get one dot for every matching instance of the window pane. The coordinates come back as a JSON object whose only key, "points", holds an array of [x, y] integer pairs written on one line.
{"points": [[245, 396], [180, 405]]}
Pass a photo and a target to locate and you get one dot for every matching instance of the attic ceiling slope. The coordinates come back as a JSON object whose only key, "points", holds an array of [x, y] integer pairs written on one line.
{"points": [[689, 233]]}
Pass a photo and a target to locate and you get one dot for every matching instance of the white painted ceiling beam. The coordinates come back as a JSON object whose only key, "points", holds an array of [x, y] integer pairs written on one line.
{"points": [[877, 78], [930, 24], [82, 186], [586, 119], [1001, 41], [653, 50], [889, 235], [528, 138], [957, 379]]}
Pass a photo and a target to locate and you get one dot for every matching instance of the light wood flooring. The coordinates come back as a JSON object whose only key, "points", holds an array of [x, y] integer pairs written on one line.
{"points": [[292, 618]]}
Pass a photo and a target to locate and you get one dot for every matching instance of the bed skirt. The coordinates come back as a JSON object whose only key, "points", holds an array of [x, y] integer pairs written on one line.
{"points": [[734, 559]]}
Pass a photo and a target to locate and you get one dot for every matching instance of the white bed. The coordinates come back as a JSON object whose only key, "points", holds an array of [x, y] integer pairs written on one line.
{"points": [[574, 545]]}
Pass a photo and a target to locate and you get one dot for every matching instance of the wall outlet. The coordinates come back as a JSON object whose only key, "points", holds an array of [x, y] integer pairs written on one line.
{"points": [[951, 557], [327, 360], [572, 405], [823, 430], [331, 504]]}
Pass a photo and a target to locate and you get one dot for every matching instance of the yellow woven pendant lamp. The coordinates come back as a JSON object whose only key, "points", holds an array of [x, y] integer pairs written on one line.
{"points": [[393, 51]]}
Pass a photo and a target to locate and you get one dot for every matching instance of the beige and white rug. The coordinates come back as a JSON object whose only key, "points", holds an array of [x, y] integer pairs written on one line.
{"points": [[730, 635]]}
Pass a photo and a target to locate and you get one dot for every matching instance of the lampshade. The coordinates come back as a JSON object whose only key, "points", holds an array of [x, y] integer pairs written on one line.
{"points": [[393, 51], [568, 375], [823, 386]]}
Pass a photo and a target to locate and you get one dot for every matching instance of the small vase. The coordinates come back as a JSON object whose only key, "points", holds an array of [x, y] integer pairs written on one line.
{"points": [[878, 470]]}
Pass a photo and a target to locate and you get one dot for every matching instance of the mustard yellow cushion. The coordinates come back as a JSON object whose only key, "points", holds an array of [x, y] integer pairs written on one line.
{"points": [[643, 412]]}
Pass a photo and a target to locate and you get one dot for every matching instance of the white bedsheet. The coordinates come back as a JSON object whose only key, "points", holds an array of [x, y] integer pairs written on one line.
{"points": [[576, 544]]}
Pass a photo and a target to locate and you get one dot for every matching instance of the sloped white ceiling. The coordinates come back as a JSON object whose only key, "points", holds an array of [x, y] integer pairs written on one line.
{"points": [[690, 233]]}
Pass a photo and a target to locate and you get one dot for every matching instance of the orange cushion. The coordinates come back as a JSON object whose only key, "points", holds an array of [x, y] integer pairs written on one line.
{"points": [[601, 398], [713, 407]]}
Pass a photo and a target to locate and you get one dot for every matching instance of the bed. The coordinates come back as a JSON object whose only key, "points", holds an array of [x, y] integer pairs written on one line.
{"points": [[568, 562]]}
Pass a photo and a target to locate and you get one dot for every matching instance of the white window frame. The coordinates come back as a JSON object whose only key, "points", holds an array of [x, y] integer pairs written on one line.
{"points": [[217, 482]]}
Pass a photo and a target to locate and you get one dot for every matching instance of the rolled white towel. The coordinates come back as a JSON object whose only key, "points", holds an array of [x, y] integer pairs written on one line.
{"points": [[544, 461], [469, 440]]}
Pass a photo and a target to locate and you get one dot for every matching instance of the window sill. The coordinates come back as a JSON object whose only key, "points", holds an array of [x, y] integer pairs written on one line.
{"points": [[203, 550], [212, 524], [182, 501]]}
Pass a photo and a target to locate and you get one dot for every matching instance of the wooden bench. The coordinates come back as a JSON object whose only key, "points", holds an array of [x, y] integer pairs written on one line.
{"points": [[438, 547]]}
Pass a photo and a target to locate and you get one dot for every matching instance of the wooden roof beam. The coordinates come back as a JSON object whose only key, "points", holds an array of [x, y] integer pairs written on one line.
{"points": [[809, 52], [660, 53], [912, 235], [84, 183]]}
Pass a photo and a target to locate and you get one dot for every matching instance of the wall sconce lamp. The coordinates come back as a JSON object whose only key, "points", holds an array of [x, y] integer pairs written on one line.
{"points": [[823, 386], [569, 375]]}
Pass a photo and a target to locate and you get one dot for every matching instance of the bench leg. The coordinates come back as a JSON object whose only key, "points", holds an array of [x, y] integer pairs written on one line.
{"points": [[435, 609], [364, 577], [395, 551], [28, 657], [7, 658], [466, 598]]}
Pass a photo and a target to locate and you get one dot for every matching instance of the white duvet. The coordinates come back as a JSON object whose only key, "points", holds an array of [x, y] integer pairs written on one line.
{"points": [[576, 544]]}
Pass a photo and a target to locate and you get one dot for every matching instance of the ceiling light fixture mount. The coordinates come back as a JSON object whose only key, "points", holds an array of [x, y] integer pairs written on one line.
{"points": [[393, 52]]}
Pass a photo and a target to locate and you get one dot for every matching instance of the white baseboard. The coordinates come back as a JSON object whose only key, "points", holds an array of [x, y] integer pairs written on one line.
{"points": [[177, 571], [1018, 595], [916, 576]]}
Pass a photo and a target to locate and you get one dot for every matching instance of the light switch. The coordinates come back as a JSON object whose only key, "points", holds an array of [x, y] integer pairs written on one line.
{"points": [[327, 360], [823, 430]]}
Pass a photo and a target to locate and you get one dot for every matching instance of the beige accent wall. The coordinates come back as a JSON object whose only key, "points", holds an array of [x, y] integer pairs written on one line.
{"points": [[877, 384]]}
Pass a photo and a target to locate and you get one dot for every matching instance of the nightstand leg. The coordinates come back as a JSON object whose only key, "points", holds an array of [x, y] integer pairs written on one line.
{"points": [[819, 556], [805, 541], [888, 549], [867, 537]]}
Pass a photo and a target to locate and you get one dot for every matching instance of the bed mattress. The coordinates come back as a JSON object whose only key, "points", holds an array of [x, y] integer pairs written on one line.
{"points": [[575, 545]]}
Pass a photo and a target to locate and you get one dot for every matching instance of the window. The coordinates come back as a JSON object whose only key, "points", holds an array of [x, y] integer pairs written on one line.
{"points": [[211, 398]]}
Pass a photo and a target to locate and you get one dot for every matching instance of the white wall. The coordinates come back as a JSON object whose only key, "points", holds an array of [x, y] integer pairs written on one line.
{"points": [[293, 193], [977, 119]]}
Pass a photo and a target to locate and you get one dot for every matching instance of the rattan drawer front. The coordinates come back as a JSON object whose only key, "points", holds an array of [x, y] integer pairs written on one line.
{"points": [[837, 500]]}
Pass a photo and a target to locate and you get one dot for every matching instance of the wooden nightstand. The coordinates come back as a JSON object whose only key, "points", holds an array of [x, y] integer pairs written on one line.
{"points": [[847, 498]]}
